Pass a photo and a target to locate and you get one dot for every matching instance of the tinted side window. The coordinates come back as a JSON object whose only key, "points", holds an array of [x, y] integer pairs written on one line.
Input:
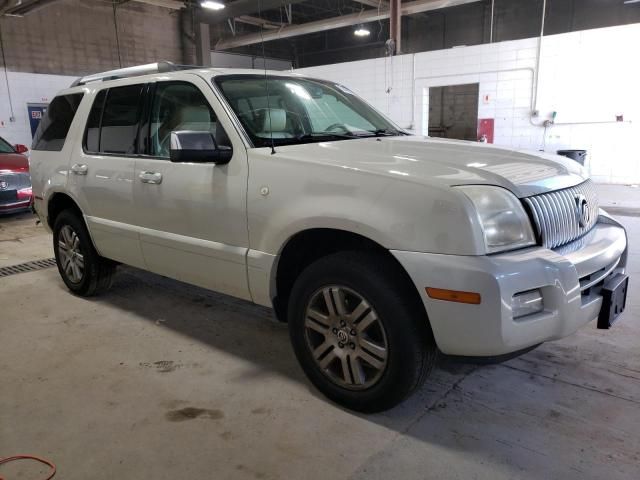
{"points": [[55, 123], [181, 106], [120, 117], [92, 133]]}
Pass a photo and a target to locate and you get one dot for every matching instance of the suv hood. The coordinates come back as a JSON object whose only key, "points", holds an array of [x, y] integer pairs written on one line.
{"points": [[447, 162]]}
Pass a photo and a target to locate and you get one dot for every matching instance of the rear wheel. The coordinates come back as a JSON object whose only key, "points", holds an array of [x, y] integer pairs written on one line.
{"points": [[83, 271], [360, 335]]}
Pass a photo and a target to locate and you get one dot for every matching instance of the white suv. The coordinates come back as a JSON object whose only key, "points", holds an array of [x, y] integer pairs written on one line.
{"points": [[379, 248]]}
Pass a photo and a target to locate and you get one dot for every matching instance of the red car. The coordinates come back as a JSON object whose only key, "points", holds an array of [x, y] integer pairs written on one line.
{"points": [[15, 182]]}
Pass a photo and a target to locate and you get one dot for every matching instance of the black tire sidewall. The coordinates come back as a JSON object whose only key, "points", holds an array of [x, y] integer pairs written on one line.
{"points": [[91, 258], [409, 341]]}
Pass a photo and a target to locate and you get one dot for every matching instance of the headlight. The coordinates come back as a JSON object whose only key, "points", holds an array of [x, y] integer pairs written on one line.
{"points": [[504, 222]]}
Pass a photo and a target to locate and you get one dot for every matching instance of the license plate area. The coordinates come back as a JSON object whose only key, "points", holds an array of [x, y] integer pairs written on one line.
{"points": [[614, 300], [8, 196]]}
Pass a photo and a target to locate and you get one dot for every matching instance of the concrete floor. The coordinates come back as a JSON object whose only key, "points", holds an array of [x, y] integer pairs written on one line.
{"points": [[161, 380]]}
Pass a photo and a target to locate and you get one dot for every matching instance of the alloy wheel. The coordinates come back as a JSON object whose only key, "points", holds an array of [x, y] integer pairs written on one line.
{"points": [[70, 253], [346, 338]]}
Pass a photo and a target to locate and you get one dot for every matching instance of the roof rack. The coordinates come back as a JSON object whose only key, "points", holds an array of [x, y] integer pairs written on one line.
{"points": [[149, 68]]}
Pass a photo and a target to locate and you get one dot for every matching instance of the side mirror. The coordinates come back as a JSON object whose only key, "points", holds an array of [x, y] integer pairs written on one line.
{"points": [[197, 147], [20, 148]]}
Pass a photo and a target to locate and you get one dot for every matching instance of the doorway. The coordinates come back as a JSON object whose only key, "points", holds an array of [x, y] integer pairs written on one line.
{"points": [[35, 112], [453, 111]]}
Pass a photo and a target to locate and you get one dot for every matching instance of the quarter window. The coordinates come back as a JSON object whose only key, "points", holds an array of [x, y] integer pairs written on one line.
{"points": [[54, 126]]}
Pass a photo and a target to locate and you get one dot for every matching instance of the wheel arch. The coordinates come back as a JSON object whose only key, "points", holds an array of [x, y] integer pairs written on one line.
{"points": [[307, 246], [58, 202]]}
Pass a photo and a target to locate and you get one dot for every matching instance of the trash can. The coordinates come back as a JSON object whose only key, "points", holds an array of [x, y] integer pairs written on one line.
{"points": [[577, 155]]}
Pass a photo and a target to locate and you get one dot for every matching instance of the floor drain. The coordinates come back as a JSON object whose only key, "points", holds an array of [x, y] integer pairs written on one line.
{"points": [[27, 267]]}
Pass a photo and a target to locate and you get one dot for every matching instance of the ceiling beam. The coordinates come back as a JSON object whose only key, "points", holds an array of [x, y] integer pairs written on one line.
{"points": [[20, 7], [259, 22], [171, 4], [289, 31], [239, 8], [374, 3]]}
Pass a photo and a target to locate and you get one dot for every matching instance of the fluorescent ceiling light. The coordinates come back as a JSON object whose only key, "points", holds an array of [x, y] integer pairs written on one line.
{"points": [[212, 5], [361, 32]]}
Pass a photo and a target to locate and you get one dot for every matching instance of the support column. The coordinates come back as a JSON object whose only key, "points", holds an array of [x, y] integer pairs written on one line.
{"points": [[203, 45], [395, 25]]}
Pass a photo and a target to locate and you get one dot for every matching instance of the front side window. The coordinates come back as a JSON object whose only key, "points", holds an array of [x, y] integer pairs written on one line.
{"points": [[288, 110], [56, 121], [5, 147], [180, 106]]}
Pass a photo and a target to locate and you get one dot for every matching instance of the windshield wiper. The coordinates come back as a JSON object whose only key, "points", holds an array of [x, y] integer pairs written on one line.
{"points": [[312, 135], [385, 132]]}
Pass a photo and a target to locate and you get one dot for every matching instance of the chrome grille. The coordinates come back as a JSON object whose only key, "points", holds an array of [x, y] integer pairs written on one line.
{"points": [[557, 215], [15, 181]]}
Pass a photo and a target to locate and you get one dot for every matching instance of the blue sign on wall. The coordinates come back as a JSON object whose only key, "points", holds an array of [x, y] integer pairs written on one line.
{"points": [[36, 111]]}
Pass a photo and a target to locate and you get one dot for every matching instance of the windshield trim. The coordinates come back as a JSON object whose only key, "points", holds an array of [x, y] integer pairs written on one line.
{"points": [[282, 142]]}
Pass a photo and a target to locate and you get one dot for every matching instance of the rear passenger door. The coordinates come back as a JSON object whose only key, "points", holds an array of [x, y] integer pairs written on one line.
{"points": [[192, 215], [102, 168]]}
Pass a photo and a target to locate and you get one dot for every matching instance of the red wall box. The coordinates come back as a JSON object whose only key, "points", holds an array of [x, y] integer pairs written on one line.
{"points": [[485, 127]]}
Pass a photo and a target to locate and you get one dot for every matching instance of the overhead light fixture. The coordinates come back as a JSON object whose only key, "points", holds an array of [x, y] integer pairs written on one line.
{"points": [[361, 31], [212, 5]]}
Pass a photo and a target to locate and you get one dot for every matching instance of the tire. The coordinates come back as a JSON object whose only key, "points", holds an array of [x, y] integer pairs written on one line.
{"points": [[348, 369], [87, 273]]}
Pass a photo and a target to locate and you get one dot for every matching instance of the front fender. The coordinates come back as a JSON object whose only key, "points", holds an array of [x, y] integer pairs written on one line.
{"points": [[286, 196]]}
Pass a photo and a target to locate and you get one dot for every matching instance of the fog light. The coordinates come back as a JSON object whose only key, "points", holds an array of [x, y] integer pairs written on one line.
{"points": [[526, 303]]}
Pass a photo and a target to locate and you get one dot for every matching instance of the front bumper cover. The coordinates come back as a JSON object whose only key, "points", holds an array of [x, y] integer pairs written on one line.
{"points": [[489, 329]]}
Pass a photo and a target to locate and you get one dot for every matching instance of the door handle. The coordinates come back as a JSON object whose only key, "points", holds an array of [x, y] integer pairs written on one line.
{"points": [[79, 169], [154, 178]]}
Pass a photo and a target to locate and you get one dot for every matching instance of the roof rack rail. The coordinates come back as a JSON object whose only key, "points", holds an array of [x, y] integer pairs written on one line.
{"points": [[149, 68]]}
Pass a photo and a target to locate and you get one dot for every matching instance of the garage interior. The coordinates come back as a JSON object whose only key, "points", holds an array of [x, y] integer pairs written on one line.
{"points": [[160, 379]]}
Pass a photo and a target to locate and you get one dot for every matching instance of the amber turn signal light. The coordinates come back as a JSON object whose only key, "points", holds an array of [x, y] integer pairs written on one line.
{"points": [[454, 295]]}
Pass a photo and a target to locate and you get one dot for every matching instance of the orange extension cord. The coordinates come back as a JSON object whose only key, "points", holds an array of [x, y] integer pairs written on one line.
{"points": [[30, 457]]}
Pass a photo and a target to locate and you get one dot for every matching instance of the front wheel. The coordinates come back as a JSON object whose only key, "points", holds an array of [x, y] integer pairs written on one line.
{"points": [[83, 271], [360, 337]]}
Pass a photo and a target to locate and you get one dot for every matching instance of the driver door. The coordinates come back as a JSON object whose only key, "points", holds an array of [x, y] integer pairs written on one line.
{"points": [[192, 216]]}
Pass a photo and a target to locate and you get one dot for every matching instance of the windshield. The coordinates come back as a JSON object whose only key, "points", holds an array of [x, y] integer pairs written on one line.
{"points": [[5, 147], [293, 110]]}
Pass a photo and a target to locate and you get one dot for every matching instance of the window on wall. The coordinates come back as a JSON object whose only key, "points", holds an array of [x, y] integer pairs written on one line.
{"points": [[453, 111], [180, 106], [54, 126]]}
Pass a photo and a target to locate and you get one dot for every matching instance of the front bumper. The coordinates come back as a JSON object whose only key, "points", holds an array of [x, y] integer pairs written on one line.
{"points": [[568, 277], [14, 207]]}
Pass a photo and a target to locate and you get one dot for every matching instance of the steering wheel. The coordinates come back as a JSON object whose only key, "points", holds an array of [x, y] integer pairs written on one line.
{"points": [[335, 126]]}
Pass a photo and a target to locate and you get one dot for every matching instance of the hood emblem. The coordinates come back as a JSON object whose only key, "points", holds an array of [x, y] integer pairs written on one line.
{"points": [[3, 185], [582, 209]]}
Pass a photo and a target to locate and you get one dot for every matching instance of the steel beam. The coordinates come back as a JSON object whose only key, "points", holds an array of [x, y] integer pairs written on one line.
{"points": [[374, 3], [239, 8], [289, 31], [395, 26], [258, 22]]}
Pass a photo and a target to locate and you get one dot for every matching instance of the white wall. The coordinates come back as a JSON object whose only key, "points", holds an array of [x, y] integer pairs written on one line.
{"points": [[25, 88], [588, 76]]}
